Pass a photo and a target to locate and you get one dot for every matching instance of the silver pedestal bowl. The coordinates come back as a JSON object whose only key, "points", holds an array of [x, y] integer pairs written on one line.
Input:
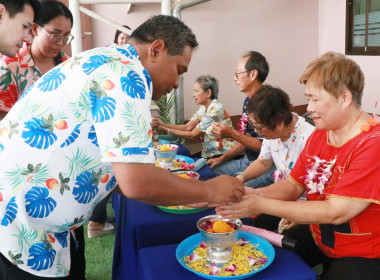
{"points": [[165, 157], [219, 245]]}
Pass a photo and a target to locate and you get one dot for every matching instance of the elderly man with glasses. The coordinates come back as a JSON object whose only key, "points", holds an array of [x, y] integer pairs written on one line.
{"points": [[250, 74]]}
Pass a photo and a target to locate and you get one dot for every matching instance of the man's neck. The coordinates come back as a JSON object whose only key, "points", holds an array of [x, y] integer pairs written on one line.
{"points": [[253, 89]]}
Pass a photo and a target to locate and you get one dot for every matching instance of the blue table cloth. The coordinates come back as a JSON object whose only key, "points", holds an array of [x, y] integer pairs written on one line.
{"points": [[160, 263], [139, 225]]}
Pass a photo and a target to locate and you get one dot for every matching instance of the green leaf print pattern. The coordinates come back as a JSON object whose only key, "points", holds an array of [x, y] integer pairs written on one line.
{"points": [[136, 124], [120, 140], [81, 161], [26, 237], [31, 109], [36, 175], [15, 258], [80, 107], [6, 78]]}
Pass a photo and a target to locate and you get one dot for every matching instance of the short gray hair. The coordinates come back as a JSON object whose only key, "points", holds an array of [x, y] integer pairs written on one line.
{"points": [[208, 82]]}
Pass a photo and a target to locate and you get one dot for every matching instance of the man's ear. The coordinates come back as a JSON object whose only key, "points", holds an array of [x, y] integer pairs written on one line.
{"points": [[156, 49], [34, 29], [253, 74], [2, 11]]}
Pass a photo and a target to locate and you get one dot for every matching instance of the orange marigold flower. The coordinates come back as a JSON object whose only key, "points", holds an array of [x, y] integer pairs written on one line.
{"points": [[365, 127], [221, 227], [372, 121]]}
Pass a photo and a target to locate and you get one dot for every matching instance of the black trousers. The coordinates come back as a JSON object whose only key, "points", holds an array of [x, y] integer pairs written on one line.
{"points": [[9, 271], [333, 269], [99, 214], [351, 269]]}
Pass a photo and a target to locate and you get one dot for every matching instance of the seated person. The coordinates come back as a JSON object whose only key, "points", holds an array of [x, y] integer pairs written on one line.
{"points": [[206, 90], [120, 37], [250, 74], [285, 133], [339, 171]]}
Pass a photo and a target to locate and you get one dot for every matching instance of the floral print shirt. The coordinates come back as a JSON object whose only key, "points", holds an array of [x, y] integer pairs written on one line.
{"points": [[285, 154], [17, 74], [57, 144], [215, 113]]}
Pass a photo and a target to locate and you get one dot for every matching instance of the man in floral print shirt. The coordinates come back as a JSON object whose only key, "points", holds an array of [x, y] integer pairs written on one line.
{"points": [[78, 130]]}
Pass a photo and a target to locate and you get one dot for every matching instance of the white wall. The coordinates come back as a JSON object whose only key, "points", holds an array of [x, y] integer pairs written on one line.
{"points": [[332, 24], [285, 32]]}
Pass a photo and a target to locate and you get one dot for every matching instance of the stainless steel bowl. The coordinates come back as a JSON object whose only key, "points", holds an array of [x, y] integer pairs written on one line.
{"points": [[165, 158], [219, 245], [191, 174]]}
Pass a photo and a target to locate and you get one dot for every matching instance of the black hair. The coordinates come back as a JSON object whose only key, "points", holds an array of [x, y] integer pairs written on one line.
{"points": [[208, 82], [257, 61], [14, 7], [270, 106], [171, 30], [118, 32], [50, 9]]}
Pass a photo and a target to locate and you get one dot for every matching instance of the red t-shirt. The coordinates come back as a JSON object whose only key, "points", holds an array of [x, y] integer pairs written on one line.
{"points": [[355, 176]]}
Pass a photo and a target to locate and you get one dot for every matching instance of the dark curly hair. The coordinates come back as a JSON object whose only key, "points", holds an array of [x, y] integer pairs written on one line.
{"points": [[270, 106], [171, 30]]}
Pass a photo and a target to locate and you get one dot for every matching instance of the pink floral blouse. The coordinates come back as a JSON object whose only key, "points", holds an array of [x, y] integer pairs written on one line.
{"points": [[16, 75]]}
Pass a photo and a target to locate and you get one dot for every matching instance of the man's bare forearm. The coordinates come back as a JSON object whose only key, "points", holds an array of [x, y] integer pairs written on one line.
{"points": [[250, 142]]}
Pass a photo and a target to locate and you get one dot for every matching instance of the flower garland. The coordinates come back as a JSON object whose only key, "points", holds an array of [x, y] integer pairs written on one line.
{"points": [[243, 123], [372, 121], [278, 176], [318, 175]]}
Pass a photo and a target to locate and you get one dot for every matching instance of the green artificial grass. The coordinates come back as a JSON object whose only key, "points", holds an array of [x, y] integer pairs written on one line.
{"points": [[99, 254]]}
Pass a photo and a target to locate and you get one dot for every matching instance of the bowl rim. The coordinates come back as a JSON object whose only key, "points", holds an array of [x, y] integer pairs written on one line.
{"points": [[157, 147], [237, 222], [187, 171]]}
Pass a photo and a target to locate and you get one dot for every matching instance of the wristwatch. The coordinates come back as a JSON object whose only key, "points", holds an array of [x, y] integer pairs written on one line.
{"points": [[242, 174]]}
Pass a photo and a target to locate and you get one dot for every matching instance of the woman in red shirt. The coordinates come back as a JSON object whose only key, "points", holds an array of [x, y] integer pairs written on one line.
{"points": [[338, 169]]}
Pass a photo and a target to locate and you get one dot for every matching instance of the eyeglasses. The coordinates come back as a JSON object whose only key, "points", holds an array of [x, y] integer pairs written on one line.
{"points": [[238, 73], [57, 38], [258, 129]]}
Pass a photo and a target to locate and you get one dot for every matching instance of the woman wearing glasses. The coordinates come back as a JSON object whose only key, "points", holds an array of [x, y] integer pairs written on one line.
{"points": [[206, 90], [51, 33]]}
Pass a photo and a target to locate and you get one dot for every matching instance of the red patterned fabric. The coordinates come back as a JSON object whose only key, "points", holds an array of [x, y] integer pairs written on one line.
{"points": [[355, 176]]}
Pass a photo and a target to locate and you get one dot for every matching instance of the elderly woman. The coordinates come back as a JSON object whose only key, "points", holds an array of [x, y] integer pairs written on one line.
{"points": [[338, 169], [211, 110], [285, 133]]}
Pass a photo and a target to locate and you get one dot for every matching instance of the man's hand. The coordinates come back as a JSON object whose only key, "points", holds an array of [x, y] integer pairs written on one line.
{"points": [[156, 123], [221, 130], [224, 189], [214, 162]]}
